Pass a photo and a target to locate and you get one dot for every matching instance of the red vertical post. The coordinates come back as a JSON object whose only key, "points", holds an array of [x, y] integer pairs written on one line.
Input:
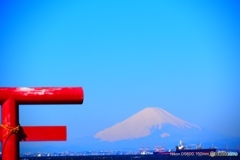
{"points": [[10, 145]]}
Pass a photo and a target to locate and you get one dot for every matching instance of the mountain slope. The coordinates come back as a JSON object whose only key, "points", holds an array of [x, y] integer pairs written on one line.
{"points": [[142, 123]]}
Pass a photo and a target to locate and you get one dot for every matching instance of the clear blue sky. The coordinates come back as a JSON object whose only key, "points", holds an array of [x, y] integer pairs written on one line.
{"points": [[183, 56]]}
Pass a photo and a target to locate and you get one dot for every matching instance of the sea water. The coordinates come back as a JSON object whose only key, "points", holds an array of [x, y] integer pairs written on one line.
{"points": [[132, 157]]}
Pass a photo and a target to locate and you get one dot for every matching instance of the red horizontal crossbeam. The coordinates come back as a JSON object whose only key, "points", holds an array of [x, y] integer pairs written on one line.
{"points": [[41, 133], [43, 95]]}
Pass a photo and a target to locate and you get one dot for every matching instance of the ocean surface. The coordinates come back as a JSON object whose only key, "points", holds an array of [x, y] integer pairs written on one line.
{"points": [[131, 157]]}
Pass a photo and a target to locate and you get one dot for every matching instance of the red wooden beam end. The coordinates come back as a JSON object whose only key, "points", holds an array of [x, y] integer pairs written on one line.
{"points": [[40, 133], [43, 133]]}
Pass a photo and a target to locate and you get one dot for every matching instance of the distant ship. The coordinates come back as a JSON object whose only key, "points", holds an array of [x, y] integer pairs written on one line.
{"points": [[181, 150]]}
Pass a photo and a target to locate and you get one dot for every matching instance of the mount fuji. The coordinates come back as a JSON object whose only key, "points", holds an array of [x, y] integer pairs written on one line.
{"points": [[143, 124], [155, 126]]}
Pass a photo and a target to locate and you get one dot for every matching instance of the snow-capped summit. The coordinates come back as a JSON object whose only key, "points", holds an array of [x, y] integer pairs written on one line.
{"points": [[140, 125]]}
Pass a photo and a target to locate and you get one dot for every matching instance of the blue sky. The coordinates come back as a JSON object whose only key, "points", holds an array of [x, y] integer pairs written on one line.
{"points": [[182, 56]]}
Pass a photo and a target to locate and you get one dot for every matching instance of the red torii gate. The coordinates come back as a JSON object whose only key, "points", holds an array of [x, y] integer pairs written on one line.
{"points": [[11, 132]]}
